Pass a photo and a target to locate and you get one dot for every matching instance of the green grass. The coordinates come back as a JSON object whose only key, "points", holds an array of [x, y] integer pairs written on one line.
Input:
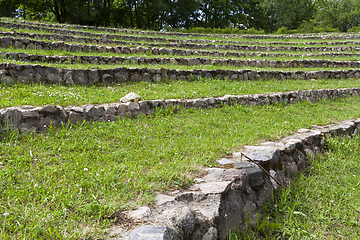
{"points": [[40, 94], [324, 203], [65, 184]]}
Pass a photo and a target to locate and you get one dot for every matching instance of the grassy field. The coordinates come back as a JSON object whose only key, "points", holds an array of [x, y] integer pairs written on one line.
{"points": [[321, 204], [67, 183], [42, 94]]}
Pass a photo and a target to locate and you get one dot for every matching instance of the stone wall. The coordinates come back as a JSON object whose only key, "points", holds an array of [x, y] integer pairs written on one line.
{"points": [[38, 119], [27, 43], [10, 73], [71, 59], [149, 42], [232, 193]]}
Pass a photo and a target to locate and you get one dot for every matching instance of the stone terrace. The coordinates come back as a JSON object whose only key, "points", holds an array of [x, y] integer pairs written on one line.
{"points": [[221, 200]]}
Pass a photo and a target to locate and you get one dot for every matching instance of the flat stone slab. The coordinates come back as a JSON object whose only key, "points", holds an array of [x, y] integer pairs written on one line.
{"points": [[140, 213], [271, 152], [212, 187], [154, 233], [161, 199], [131, 97]]}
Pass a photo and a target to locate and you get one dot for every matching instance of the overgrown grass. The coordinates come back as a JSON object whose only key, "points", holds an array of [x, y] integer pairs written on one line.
{"points": [[324, 203], [41, 94], [65, 184]]}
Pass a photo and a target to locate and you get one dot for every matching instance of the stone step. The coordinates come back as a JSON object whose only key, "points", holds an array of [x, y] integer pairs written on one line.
{"points": [[25, 73], [86, 59]]}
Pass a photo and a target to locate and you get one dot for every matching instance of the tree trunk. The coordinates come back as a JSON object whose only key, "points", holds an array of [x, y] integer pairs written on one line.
{"points": [[24, 9], [10, 10], [4, 9], [56, 12]]}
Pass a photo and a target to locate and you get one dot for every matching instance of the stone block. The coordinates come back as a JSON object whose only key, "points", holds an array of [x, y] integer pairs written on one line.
{"points": [[154, 233]]}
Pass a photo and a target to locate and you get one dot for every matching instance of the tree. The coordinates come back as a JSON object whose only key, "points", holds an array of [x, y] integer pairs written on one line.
{"points": [[287, 13], [181, 13], [340, 14]]}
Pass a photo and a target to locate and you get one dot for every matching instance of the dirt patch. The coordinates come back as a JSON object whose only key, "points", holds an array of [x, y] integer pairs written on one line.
{"points": [[121, 220]]}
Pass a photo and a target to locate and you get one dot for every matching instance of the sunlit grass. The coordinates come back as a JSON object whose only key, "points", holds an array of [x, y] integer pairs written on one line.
{"points": [[59, 183], [42, 94]]}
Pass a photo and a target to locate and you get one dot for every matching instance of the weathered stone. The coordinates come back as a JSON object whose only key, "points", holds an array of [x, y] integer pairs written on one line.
{"points": [[310, 155], [141, 213], [125, 50], [261, 159], [5, 78], [255, 174], [244, 165], [290, 146], [136, 77], [265, 193], [161, 199], [163, 51], [132, 106], [211, 234], [68, 78], [10, 118], [54, 78], [291, 169], [230, 213], [31, 113], [80, 78], [50, 110], [250, 213], [121, 76], [76, 118], [212, 187], [93, 76], [107, 78], [299, 158], [130, 97], [272, 153], [182, 218], [298, 143], [154, 233], [77, 109]]}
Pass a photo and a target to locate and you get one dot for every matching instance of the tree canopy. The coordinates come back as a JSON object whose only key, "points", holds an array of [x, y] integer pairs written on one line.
{"points": [[159, 14]]}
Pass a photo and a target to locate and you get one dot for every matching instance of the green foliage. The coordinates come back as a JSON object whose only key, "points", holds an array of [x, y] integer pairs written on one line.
{"points": [[337, 14], [354, 29], [227, 15], [287, 13], [282, 30]]}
